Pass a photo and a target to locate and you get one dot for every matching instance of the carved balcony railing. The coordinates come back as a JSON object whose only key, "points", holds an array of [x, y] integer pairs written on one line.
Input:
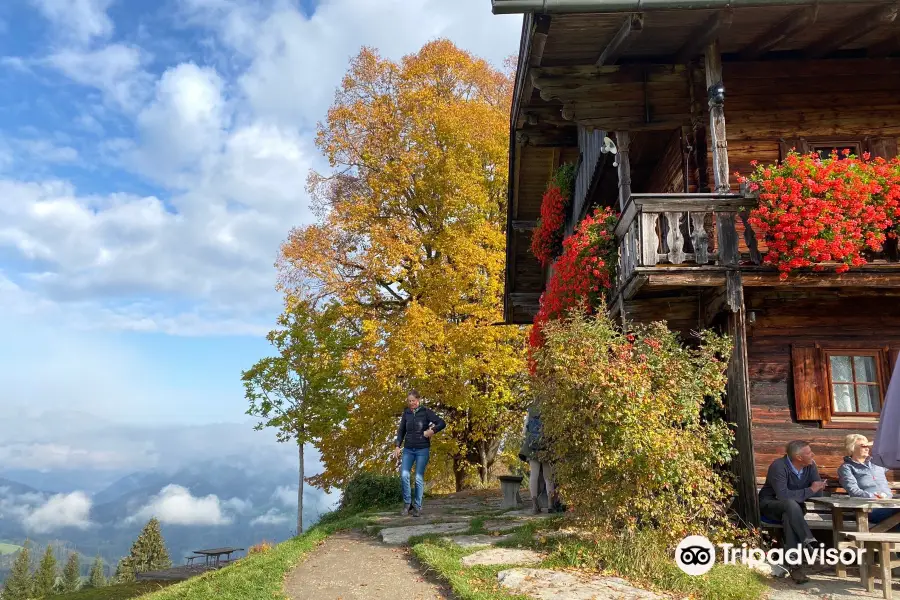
{"points": [[698, 230]]}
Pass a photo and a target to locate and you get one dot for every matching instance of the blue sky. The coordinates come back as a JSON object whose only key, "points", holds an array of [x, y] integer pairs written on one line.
{"points": [[153, 155]]}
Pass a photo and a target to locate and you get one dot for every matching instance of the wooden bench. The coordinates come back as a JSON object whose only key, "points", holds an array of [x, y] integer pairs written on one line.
{"points": [[817, 517], [884, 544]]}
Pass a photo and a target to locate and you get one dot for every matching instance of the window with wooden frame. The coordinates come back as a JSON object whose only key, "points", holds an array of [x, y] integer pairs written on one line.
{"points": [[841, 385], [884, 147]]}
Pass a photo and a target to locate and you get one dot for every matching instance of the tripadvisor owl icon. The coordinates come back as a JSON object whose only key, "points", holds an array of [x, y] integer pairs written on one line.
{"points": [[695, 555]]}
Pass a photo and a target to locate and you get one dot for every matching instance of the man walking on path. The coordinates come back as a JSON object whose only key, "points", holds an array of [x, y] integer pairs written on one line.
{"points": [[417, 425]]}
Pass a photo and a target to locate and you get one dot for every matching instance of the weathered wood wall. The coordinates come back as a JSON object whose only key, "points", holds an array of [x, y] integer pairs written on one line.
{"points": [[765, 102], [784, 319]]}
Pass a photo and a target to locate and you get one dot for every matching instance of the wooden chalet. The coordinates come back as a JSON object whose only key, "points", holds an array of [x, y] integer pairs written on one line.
{"points": [[691, 91]]}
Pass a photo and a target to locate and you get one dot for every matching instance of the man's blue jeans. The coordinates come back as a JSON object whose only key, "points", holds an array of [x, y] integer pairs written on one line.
{"points": [[420, 457]]}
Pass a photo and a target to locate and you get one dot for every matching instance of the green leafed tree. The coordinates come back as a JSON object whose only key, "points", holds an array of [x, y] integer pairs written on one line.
{"points": [[18, 583], [301, 391], [45, 576], [148, 553], [71, 579], [97, 579]]}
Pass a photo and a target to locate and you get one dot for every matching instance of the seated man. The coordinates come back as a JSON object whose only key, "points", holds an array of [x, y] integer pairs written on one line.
{"points": [[790, 481]]}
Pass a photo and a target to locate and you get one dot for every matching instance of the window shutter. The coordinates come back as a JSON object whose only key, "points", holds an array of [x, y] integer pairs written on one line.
{"points": [[797, 144], [810, 391], [884, 147]]}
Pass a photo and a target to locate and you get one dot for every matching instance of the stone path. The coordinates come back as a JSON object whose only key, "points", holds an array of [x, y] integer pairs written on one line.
{"points": [[545, 584], [374, 567], [355, 566], [824, 586]]}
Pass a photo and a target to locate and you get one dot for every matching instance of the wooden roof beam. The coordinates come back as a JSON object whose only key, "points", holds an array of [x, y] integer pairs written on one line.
{"points": [[885, 47], [794, 23], [538, 43], [853, 31], [629, 31], [704, 35]]}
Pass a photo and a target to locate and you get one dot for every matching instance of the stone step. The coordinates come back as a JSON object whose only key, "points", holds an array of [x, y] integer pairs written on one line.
{"points": [[547, 584], [401, 535], [502, 556]]}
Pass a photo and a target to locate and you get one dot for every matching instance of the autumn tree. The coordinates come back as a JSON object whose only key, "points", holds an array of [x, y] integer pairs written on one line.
{"points": [[71, 579], [410, 240], [45, 576], [302, 391]]}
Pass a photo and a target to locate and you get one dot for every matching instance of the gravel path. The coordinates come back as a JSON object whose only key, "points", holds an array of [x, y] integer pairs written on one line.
{"points": [[354, 566]]}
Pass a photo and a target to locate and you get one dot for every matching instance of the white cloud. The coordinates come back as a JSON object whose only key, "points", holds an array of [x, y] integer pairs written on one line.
{"points": [[78, 20], [58, 512], [175, 505], [286, 495], [272, 517], [48, 456], [116, 70], [238, 505]]}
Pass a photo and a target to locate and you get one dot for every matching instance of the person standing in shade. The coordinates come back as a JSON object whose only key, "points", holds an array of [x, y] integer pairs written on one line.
{"points": [[533, 446], [418, 425]]}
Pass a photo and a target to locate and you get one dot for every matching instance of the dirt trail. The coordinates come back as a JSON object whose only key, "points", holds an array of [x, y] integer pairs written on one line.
{"points": [[351, 565]]}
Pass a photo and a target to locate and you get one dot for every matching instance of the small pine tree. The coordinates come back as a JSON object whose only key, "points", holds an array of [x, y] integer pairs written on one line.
{"points": [[124, 570], [18, 583], [148, 553], [72, 574], [45, 576], [97, 580]]}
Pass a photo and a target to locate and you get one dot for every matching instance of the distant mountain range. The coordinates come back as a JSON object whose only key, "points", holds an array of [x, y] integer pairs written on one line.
{"points": [[209, 504]]}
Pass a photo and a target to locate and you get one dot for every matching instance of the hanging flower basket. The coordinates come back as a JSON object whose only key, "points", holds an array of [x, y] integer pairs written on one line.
{"points": [[583, 274], [546, 241]]}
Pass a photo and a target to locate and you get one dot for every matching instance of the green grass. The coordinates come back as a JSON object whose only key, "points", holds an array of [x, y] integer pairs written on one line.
{"points": [[113, 592], [8, 548], [468, 583], [258, 576]]}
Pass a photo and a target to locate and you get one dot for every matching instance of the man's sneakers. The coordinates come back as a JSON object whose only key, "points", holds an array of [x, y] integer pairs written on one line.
{"points": [[798, 574], [405, 510], [416, 511]]}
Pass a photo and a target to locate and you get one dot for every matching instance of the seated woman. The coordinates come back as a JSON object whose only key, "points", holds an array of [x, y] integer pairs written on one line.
{"points": [[863, 479]]}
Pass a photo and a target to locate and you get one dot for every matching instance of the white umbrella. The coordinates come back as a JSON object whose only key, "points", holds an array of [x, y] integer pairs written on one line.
{"points": [[886, 449]]}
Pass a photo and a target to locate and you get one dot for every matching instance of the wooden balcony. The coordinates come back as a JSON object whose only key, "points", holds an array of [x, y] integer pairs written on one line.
{"points": [[692, 240]]}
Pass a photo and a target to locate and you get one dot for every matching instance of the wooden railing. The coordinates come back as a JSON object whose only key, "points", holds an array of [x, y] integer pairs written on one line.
{"points": [[698, 230], [684, 229]]}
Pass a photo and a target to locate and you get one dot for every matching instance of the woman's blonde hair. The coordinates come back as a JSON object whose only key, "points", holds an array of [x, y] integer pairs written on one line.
{"points": [[851, 441]]}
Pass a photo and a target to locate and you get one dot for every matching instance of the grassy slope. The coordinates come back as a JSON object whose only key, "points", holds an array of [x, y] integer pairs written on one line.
{"points": [[113, 592], [8, 548], [259, 576]]}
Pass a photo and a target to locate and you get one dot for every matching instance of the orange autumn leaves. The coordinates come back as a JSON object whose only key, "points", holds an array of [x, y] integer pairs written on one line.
{"points": [[410, 240]]}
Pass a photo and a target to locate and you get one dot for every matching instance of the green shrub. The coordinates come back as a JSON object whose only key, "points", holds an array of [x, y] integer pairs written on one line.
{"points": [[370, 490], [632, 444]]}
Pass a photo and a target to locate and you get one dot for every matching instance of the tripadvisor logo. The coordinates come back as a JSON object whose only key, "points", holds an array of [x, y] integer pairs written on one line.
{"points": [[696, 555]]}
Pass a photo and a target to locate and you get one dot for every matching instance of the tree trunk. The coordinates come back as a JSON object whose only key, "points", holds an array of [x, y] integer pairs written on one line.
{"points": [[300, 494], [459, 473]]}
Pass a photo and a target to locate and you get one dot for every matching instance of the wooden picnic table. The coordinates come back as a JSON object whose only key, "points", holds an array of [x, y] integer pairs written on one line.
{"points": [[842, 506], [884, 543], [218, 553]]}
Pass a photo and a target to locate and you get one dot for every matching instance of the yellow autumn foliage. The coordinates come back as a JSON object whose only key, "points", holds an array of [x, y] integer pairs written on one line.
{"points": [[410, 240]]}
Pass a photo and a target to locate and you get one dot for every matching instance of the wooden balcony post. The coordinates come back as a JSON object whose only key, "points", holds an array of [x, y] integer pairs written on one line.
{"points": [[623, 141], [737, 405], [716, 94]]}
